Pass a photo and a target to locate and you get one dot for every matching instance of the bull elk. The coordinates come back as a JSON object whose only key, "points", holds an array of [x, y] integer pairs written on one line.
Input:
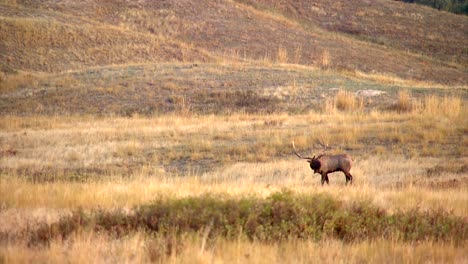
{"points": [[325, 164]]}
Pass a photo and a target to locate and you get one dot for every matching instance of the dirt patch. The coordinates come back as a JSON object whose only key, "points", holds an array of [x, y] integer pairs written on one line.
{"points": [[370, 93], [447, 184], [439, 169]]}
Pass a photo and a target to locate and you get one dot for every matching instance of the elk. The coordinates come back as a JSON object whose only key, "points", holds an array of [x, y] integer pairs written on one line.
{"points": [[324, 164]]}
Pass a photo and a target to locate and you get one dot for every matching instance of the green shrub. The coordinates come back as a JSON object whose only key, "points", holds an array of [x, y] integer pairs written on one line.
{"points": [[454, 6], [281, 216]]}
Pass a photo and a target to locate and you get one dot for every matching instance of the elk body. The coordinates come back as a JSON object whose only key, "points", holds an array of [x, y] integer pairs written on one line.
{"points": [[325, 164]]}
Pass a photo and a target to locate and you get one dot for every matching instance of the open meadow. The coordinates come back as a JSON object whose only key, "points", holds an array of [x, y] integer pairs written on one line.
{"points": [[161, 131], [228, 187]]}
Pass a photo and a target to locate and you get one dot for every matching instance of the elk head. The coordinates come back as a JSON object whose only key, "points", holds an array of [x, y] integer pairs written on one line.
{"points": [[314, 161]]}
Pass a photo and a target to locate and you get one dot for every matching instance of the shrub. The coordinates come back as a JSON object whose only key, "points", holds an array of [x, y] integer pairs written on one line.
{"points": [[344, 101], [404, 103], [281, 216]]}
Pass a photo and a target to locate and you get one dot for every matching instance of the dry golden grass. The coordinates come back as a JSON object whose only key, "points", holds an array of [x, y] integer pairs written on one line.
{"points": [[56, 36], [282, 56], [246, 179], [123, 162], [58, 146], [448, 106], [140, 248], [325, 61], [344, 101], [402, 161], [390, 29], [56, 42], [12, 82], [414, 157]]}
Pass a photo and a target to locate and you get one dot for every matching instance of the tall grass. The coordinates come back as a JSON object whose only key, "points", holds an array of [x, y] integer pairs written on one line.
{"points": [[42, 148], [394, 184], [449, 106], [141, 248], [404, 102], [282, 56], [110, 166], [345, 101], [325, 60]]}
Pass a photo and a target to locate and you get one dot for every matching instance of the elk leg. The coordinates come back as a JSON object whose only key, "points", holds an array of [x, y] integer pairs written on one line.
{"points": [[349, 178], [325, 178]]}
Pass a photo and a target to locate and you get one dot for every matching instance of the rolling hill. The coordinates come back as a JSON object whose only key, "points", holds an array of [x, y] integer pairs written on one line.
{"points": [[55, 51], [47, 41], [405, 27]]}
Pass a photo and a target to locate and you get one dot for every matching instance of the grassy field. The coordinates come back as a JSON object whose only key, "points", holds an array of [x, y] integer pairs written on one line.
{"points": [[204, 88], [160, 132], [410, 163]]}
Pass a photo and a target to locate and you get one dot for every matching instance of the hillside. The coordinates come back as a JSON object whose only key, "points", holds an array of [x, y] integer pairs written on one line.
{"points": [[158, 56], [406, 27], [46, 41], [413, 42]]}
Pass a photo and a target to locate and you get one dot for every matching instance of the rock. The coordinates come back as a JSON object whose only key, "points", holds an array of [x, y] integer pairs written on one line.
{"points": [[369, 93]]}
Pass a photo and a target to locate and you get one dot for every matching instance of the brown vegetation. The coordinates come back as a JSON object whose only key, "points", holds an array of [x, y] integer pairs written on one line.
{"points": [[159, 131], [387, 23], [70, 35]]}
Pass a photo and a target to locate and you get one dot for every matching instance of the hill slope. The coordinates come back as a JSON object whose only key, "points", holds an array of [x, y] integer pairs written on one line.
{"points": [[49, 41], [413, 42], [125, 57], [407, 27]]}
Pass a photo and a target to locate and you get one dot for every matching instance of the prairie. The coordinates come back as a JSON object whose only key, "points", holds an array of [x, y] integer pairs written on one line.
{"points": [[405, 163], [160, 131]]}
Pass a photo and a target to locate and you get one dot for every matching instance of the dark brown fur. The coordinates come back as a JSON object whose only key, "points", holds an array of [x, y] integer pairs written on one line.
{"points": [[325, 164]]}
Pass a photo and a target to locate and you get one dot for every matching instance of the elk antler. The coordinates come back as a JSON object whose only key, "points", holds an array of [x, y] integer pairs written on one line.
{"points": [[323, 145], [299, 155]]}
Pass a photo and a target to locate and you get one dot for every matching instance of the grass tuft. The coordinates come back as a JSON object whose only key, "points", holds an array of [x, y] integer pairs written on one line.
{"points": [[404, 103], [449, 106], [345, 101]]}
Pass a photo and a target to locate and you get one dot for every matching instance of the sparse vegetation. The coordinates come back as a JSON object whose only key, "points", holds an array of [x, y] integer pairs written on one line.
{"points": [[405, 102], [16, 81], [174, 142], [159, 131], [325, 61], [124, 172], [69, 38], [408, 29], [347, 101]]}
